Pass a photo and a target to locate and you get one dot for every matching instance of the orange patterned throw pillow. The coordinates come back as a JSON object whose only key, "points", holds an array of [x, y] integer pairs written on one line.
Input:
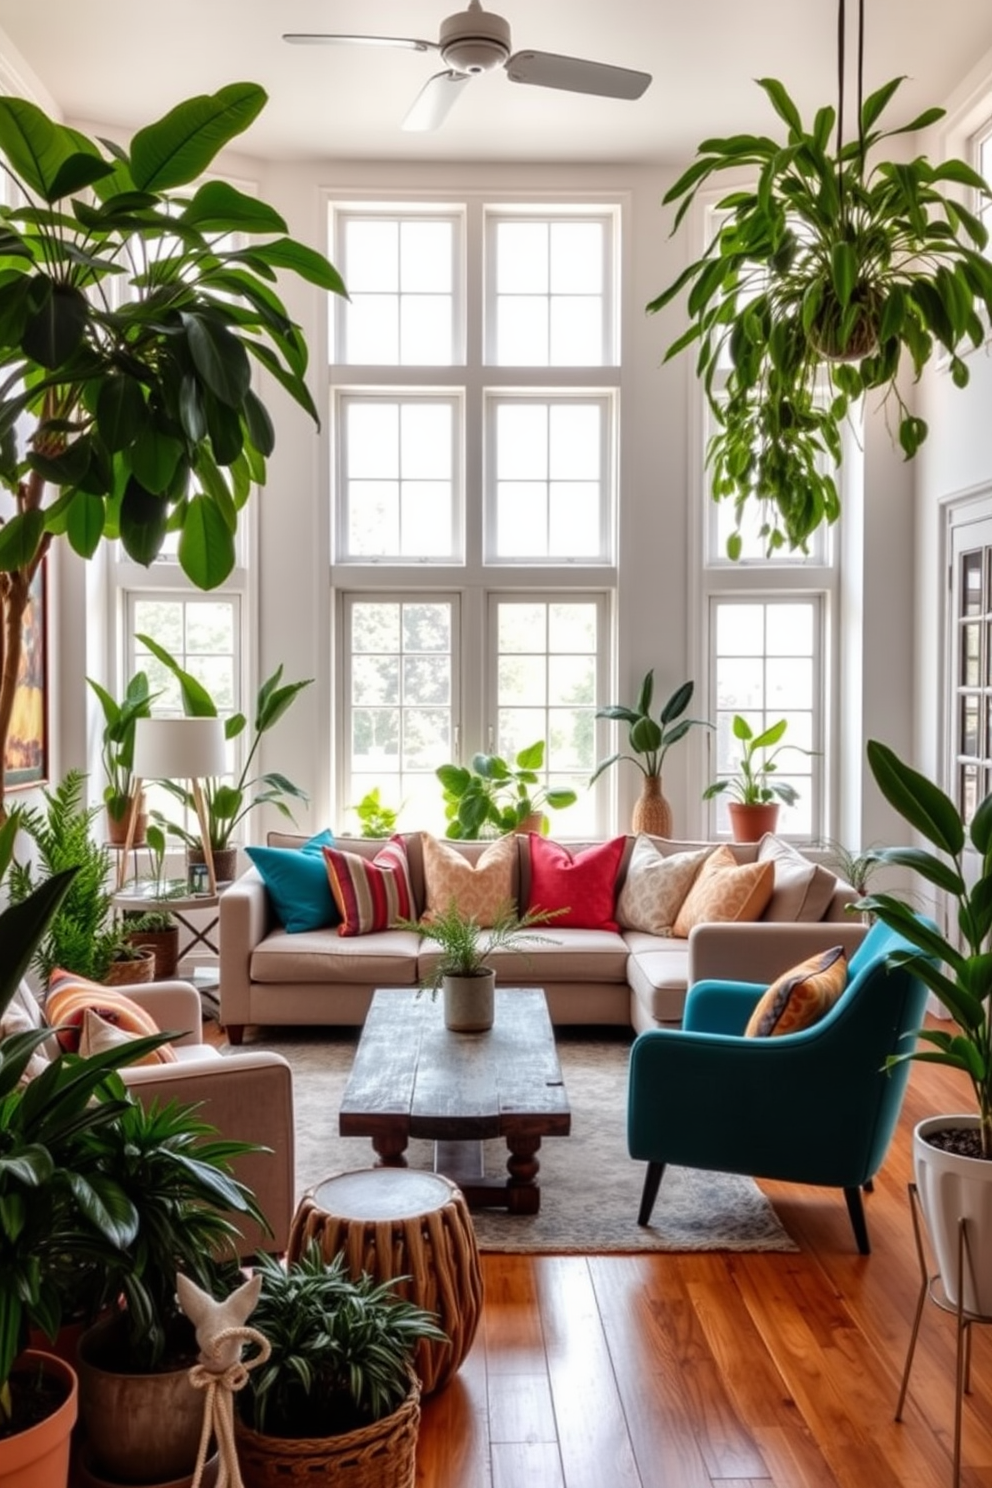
{"points": [[71, 997], [725, 890], [480, 889], [800, 997]]}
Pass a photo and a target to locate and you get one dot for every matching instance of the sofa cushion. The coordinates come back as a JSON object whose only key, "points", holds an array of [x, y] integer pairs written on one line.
{"points": [[803, 890], [725, 890], [370, 895], [298, 883], [656, 886], [480, 889], [69, 999], [658, 973], [801, 996], [567, 955], [582, 884], [386, 958]]}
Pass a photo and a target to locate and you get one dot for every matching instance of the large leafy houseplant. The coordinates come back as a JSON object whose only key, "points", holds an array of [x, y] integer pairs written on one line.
{"points": [[752, 785], [649, 739], [117, 741], [133, 306], [957, 970], [831, 276], [495, 795], [228, 803]]}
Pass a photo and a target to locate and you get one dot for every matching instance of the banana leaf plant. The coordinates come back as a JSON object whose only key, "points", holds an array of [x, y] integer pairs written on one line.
{"points": [[831, 276], [959, 971], [134, 305]]}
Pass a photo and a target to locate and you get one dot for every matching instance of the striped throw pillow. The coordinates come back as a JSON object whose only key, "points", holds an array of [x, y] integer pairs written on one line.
{"points": [[370, 895], [69, 999]]}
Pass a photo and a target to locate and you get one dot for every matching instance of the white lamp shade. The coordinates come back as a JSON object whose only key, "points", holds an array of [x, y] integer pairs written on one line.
{"points": [[179, 748]]}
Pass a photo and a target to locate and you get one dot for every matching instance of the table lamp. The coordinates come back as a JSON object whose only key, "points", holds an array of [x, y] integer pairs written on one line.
{"points": [[188, 749]]}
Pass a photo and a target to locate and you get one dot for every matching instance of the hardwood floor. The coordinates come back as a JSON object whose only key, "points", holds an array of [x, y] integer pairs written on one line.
{"points": [[741, 1371]]}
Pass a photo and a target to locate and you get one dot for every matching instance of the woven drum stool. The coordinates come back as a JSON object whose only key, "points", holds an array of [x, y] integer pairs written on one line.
{"points": [[395, 1222]]}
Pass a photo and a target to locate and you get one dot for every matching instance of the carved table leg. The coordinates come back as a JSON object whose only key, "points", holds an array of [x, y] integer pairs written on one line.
{"points": [[522, 1193], [390, 1151]]}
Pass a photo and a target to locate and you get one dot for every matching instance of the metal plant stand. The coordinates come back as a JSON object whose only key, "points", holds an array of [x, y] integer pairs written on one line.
{"points": [[932, 1287]]}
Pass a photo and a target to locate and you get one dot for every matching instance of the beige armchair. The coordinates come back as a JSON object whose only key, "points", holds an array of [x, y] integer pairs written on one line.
{"points": [[247, 1096]]}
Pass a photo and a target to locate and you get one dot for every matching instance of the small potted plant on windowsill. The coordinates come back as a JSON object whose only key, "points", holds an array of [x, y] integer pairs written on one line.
{"points": [[755, 805], [466, 981], [650, 740], [495, 797]]}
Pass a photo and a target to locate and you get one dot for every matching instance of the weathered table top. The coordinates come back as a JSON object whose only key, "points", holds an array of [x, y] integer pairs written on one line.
{"points": [[412, 1077]]}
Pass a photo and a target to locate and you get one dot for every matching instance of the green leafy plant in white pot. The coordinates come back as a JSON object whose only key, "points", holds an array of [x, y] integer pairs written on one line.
{"points": [[134, 305], [833, 275], [952, 1154]]}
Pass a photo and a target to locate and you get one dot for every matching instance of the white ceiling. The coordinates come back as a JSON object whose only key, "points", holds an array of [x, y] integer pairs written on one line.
{"points": [[123, 62]]}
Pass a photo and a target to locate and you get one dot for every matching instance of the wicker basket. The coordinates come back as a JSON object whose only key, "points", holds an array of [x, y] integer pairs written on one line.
{"points": [[383, 1455]]}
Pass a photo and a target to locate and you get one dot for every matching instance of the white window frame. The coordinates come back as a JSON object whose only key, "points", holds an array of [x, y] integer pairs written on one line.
{"points": [[476, 382]]}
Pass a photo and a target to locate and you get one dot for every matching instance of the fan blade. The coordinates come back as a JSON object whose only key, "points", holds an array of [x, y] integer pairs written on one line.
{"points": [[574, 75], [322, 38], [433, 103]]}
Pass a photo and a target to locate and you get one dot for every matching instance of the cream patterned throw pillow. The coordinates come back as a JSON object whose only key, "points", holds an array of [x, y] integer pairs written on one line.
{"points": [[480, 889], [656, 886]]}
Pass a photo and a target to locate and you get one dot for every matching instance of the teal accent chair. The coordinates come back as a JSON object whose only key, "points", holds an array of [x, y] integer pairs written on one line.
{"points": [[809, 1107]]}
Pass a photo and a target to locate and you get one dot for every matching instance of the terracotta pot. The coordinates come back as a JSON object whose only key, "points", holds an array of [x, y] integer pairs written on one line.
{"points": [[117, 825], [750, 823], [85, 1474], [652, 813], [225, 861], [469, 1002], [140, 1428], [532, 823], [39, 1456], [121, 973]]}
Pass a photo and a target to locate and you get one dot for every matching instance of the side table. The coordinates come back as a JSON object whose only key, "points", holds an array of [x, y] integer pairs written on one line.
{"points": [[395, 1222], [138, 897]]}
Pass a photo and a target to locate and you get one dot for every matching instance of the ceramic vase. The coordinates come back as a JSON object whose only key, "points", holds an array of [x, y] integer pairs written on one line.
{"points": [[469, 1002]]}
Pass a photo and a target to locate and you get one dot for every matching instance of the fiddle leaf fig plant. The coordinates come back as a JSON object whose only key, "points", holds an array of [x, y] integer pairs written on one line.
{"points": [[831, 276], [134, 304]]}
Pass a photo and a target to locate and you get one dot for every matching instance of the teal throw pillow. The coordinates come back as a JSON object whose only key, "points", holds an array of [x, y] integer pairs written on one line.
{"points": [[296, 878]]}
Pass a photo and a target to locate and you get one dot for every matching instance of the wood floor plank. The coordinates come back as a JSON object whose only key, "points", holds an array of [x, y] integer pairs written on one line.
{"points": [[520, 1408], [526, 1465], [588, 1409], [511, 1318], [453, 1448]]}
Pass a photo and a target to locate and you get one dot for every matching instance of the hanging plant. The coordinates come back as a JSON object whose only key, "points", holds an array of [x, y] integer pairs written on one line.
{"points": [[825, 281]]}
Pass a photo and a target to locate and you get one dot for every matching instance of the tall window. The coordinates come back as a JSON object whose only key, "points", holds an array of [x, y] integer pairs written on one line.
{"points": [[768, 621], [475, 409]]}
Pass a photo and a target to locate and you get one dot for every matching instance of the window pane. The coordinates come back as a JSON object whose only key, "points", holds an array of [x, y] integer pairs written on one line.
{"points": [[399, 489], [400, 278], [559, 444], [426, 265], [548, 293], [577, 258], [521, 441], [522, 258]]}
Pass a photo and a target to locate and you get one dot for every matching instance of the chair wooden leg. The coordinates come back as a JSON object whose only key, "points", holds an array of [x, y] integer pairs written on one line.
{"points": [[855, 1209], [652, 1182]]}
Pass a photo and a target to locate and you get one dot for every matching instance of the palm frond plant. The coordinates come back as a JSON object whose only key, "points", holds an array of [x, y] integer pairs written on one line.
{"points": [[81, 935], [832, 276], [134, 304]]}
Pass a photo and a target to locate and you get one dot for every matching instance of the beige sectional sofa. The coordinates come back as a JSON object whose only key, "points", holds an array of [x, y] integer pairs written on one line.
{"points": [[630, 977]]}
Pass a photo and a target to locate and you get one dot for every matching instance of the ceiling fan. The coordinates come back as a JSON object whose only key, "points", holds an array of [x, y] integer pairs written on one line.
{"points": [[476, 40]]}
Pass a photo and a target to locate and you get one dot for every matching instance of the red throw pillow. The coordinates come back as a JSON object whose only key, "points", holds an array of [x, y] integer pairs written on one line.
{"points": [[583, 884], [370, 896]]}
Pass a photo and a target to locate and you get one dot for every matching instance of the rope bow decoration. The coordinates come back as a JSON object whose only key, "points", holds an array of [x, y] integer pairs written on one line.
{"points": [[220, 1372]]}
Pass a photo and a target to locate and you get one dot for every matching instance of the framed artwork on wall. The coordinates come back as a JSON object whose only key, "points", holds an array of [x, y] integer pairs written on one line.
{"points": [[26, 760]]}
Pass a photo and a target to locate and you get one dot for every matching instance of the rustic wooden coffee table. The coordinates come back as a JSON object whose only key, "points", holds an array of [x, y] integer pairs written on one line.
{"points": [[412, 1077]]}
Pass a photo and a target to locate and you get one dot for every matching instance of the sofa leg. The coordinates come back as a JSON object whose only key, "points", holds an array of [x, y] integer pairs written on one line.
{"points": [[235, 1033], [856, 1210], [652, 1182]]}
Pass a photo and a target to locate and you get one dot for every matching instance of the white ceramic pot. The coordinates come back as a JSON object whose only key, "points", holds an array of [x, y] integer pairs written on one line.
{"points": [[469, 1002], [952, 1187]]}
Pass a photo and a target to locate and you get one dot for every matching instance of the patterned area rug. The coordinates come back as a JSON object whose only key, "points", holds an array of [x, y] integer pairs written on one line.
{"points": [[590, 1188]]}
